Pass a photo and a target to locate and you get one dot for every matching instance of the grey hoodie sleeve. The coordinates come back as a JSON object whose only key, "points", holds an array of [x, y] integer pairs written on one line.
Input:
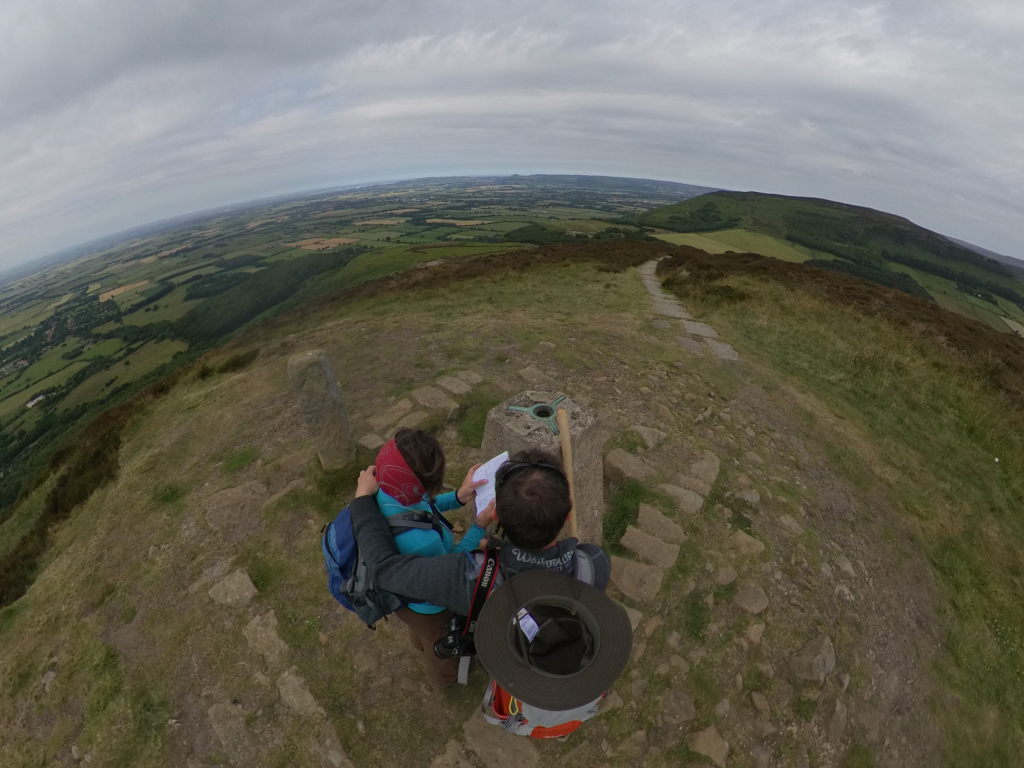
{"points": [[439, 580]]}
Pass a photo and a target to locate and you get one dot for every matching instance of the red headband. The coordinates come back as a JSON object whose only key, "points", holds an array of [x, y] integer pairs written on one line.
{"points": [[395, 477]]}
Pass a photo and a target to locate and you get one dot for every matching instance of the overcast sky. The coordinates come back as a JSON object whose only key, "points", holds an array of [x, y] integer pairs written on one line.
{"points": [[114, 113]]}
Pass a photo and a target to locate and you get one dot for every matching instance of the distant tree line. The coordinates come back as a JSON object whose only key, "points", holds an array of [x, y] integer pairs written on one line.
{"points": [[251, 294], [899, 280], [974, 283], [541, 234], [706, 218]]}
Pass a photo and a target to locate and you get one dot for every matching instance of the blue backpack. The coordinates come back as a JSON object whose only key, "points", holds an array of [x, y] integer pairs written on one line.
{"points": [[348, 578]]}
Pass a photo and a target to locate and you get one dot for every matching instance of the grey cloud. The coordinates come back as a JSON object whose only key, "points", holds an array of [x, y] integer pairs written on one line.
{"points": [[114, 113]]}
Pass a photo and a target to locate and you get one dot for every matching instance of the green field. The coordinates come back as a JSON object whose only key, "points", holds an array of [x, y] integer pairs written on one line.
{"points": [[46, 366], [12, 405], [25, 317], [171, 307], [743, 241], [103, 349], [126, 370]]}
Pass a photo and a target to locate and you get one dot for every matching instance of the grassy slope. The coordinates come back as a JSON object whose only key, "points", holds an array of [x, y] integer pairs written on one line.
{"points": [[863, 230], [939, 418], [121, 673], [100, 613], [743, 241]]}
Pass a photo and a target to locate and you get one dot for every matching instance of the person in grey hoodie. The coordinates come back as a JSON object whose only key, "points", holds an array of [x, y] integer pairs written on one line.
{"points": [[531, 504]]}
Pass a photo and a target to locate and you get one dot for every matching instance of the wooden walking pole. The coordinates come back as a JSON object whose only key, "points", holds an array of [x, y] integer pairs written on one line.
{"points": [[563, 436]]}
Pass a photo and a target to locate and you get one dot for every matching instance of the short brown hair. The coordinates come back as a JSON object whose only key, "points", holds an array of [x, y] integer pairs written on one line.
{"points": [[532, 498], [424, 456]]}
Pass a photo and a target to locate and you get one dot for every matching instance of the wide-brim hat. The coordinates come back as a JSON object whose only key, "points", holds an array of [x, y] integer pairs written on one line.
{"points": [[552, 641]]}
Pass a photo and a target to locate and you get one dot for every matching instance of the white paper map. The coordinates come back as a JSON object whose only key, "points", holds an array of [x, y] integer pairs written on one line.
{"points": [[487, 471]]}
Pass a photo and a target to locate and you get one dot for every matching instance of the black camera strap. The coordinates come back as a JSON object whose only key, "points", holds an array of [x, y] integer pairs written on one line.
{"points": [[485, 583]]}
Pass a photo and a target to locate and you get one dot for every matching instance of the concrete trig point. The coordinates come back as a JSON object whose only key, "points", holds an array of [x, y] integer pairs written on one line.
{"points": [[527, 420]]}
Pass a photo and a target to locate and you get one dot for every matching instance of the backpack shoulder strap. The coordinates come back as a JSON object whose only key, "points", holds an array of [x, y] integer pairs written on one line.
{"points": [[414, 518], [583, 567], [439, 515], [410, 519]]}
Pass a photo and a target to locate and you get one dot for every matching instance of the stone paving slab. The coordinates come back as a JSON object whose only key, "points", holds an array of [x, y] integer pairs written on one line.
{"points": [[667, 309], [296, 696], [235, 589], [689, 501], [692, 346], [652, 437], [694, 484], [695, 328], [751, 598], [388, 417], [745, 544], [655, 523], [263, 638], [636, 581], [721, 350], [621, 464], [650, 548], [411, 421], [454, 385], [438, 400], [370, 441]]}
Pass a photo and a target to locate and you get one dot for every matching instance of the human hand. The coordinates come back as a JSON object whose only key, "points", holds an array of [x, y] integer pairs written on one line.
{"points": [[367, 482], [486, 516], [467, 491]]}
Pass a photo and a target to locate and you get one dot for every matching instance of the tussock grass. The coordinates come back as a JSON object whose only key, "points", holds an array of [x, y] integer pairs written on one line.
{"points": [[473, 419], [624, 504], [240, 459], [696, 615]]}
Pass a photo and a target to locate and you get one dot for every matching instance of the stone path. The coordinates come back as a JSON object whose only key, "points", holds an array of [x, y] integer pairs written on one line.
{"points": [[416, 409], [654, 540], [229, 720], [697, 338]]}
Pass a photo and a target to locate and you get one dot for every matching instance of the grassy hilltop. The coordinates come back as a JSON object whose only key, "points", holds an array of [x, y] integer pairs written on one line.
{"points": [[858, 491], [870, 244]]}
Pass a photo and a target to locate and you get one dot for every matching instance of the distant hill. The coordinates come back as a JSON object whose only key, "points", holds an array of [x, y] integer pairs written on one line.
{"points": [[1017, 265], [871, 244]]}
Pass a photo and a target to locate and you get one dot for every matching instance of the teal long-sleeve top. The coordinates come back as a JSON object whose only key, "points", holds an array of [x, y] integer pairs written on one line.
{"points": [[416, 541]]}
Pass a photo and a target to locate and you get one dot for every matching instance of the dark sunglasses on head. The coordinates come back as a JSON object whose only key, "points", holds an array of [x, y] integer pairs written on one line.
{"points": [[510, 467]]}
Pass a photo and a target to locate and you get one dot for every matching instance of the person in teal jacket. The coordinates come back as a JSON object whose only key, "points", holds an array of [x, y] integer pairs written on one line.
{"points": [[410, 471]]}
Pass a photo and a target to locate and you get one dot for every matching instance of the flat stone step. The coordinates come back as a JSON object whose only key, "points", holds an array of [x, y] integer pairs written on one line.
{"points": [[636, 581], [689, 501], [695, 328], [751, 598], [650, 548], [454, 385], [651, 521], [431, 397], [721, 350], [668, 309], [620, 464], [692, 346], [389, 416]]}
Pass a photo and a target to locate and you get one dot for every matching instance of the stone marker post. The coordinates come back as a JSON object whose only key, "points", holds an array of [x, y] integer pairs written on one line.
{"points": [[319, 400], [526, 421]]}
